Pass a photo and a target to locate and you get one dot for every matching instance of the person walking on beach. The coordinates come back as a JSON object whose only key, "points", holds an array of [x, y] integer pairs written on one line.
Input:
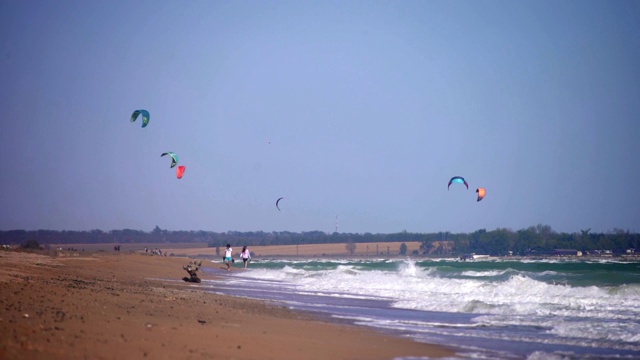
{"points": [[245, 255], [227, 256]]}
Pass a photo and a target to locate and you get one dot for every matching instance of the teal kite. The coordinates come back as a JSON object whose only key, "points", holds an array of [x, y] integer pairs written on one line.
{"points": [[145, 116], [459, 180], [174, 158]]}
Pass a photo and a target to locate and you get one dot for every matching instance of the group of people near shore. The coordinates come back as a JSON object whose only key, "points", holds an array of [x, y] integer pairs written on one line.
{"points": [[155, 251], [245, 255]]}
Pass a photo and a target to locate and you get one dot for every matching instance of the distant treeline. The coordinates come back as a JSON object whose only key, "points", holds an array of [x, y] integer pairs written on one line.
{"points": [[540, 239]]}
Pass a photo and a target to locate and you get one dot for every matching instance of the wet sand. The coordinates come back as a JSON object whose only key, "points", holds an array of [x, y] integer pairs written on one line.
{"points": [[115, 306]]}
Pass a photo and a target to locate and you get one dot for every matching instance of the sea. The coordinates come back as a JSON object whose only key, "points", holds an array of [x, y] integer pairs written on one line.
{"points": [[482, 309]]}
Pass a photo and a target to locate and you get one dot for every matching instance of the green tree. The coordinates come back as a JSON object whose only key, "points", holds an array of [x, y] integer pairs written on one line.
{"points": [[500, 241]]}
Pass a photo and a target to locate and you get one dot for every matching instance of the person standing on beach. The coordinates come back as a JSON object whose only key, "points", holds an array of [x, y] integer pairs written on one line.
{"points": [[227, 256], [245, 255]]}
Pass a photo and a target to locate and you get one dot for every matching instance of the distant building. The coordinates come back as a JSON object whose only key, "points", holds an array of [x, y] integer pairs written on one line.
{"points": [[603, 252], [567, 252], [538, 251]]}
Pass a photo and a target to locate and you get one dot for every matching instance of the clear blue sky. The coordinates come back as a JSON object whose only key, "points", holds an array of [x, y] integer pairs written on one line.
{"points": [[357, 109]]}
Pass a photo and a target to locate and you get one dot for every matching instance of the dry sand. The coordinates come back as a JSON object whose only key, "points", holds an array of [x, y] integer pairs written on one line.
{"points": [[114, 306], [308, 250], [339, 249]]}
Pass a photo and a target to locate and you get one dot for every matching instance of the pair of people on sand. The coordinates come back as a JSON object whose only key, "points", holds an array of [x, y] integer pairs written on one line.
{"points": [[228, 258]]}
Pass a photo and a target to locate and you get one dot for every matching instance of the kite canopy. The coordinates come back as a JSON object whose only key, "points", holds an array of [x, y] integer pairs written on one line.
{"points": [[481, 193], [277, 201], [459, 180], [180, 171], [174, 158], [145, 116]]}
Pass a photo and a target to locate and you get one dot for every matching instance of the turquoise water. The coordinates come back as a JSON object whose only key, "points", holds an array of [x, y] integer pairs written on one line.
{"points": [[484, 309]]}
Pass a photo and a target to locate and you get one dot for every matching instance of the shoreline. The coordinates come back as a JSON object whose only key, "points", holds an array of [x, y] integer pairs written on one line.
{"points": [[110, 306]]}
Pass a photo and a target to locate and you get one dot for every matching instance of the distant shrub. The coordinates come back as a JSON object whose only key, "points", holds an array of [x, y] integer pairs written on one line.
{"points": [[403, 249], [31, 245]]}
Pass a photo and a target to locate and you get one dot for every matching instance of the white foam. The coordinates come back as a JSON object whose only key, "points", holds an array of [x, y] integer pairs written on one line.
{"points": [[541, 355], [610, 313], [488, 273]]}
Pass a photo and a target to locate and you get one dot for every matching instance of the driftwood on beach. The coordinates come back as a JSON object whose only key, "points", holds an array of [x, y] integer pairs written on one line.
{"points": [[192, 269]]}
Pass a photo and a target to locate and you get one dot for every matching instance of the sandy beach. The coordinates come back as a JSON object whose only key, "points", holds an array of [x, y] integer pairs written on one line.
{"points": [[309, 250], [116, 306]]}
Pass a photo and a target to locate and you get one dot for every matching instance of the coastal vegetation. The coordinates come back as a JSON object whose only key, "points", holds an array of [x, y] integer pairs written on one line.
{"points": [[534, 240]]}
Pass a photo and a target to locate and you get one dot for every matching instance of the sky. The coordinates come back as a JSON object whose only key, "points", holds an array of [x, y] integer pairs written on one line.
{"points": [[356, 112]]}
